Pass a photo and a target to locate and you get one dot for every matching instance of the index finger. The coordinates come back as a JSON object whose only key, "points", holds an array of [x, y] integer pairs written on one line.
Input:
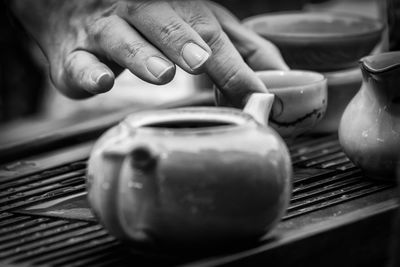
{"points": [[259, 53], [233, 77], [226, 67]]}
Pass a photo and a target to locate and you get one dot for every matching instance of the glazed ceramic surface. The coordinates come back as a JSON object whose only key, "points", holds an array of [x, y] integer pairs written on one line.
{"points": [[342, 87], [370, 127], [300, 100], [192, 177], [319, 41]]}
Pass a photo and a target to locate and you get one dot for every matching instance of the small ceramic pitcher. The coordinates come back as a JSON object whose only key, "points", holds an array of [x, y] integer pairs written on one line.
{"points": [[191, 176], [369, 131]]}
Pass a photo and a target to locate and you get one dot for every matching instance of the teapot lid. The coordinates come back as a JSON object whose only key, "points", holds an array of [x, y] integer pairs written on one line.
{"points": [[380, 63]]}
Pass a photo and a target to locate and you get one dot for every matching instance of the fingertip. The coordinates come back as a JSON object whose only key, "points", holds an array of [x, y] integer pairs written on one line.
{"points": [[167, 76], [284, 66], [279, 63], [105, 81], [102, 81], [195, 56], [83, 75], [161, 69]]}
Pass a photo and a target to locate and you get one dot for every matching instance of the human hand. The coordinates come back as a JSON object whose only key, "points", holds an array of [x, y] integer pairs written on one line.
{"points": [[88, 42]]}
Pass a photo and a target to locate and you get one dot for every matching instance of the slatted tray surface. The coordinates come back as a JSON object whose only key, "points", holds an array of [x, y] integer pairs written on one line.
{"points": [[323, 177]]}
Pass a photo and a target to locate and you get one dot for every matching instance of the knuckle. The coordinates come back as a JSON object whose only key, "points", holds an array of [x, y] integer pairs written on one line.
{"points": [[67, 78], [172, 32], [133, 7], [211, 33], [70, 61], [132, 49], [102, 27], [209, 29], [69, 72], [60, 77], [197, 18]]}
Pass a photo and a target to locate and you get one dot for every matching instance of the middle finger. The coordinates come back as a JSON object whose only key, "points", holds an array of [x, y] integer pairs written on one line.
{"points": [[163, 27]]}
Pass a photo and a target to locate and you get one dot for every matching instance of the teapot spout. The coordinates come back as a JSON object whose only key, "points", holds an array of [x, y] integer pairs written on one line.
{"points": [[381, 63], [259, 106]]}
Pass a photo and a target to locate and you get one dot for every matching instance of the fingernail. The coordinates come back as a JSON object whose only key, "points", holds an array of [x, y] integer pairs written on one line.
{"points": [[158, 66], [194, 55], [103, 80]]}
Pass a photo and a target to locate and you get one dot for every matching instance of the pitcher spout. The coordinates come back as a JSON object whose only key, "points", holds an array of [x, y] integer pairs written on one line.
{"points": [[381, 63]]}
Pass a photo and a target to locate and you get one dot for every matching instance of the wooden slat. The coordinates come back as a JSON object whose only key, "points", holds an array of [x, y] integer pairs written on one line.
{"points": [[47, 241]]}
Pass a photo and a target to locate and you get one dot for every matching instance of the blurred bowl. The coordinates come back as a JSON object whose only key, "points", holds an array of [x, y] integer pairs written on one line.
{"points": [[319, 41], [342, 87]]}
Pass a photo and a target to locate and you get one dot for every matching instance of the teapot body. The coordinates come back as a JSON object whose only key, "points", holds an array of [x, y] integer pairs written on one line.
{"points": [[369, 131], [189, 176]]}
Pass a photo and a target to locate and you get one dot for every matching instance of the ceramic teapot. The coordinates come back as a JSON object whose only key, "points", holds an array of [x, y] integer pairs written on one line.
{"points": [[369, 130], [191, 176]]}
